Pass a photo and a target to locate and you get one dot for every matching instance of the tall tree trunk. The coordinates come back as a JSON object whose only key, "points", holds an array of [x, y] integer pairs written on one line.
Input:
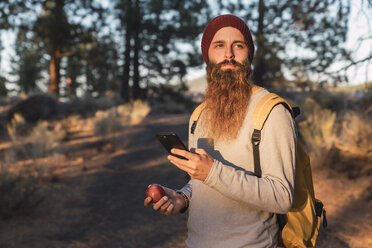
{"points": [[57, 45], [125, 80], [259, 59], [127, 58], [136, 78], [54, 72]]}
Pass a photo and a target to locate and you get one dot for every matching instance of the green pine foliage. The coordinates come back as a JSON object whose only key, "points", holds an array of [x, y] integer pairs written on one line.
{"points": [[303, 37], [3, 89]]}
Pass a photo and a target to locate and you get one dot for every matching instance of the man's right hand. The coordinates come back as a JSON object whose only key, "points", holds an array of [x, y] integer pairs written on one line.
{"points": [[169, 204]]}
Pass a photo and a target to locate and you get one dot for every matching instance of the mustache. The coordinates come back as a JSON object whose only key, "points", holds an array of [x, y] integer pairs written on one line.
{"points": [[215, 72], [230, 62]]}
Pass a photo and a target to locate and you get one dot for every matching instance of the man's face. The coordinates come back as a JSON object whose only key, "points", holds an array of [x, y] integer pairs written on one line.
{"points": [[228, 44]]}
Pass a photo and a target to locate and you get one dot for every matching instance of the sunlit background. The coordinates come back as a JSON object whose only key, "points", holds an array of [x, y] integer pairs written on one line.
{"points": [[86, 84], [347, 61]]}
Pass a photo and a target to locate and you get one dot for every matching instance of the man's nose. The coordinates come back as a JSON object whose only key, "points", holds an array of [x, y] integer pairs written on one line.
{"points": [[229, 53]]}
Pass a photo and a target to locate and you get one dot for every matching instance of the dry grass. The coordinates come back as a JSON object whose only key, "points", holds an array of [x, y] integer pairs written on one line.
{"points": [[23, 172], [355, 132], [139, 111], [21, 186], [325, 130], [106, 122], [97, 197], [27, 163], [317, 130], [38, 141], [133, 112]]}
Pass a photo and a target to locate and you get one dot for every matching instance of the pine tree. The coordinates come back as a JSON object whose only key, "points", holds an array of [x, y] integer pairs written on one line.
{"points": [[57, 28], [28, 65], [303, 37], [153, 32]]}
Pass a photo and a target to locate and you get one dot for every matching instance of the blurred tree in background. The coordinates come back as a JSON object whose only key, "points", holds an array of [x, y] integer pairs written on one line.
{"points": [[158, 42], [63, 35], [55, 33], [3, 90], [132, 46], [99, 65], [303, 37], [27, 66], [154, 32]]}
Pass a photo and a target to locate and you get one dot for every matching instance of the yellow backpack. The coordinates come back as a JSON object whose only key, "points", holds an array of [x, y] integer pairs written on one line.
{"points": [[300, 226]]}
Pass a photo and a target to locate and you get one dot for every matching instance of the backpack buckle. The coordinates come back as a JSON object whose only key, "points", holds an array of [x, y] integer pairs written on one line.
{"points": [[256, 137], [193, 126]]}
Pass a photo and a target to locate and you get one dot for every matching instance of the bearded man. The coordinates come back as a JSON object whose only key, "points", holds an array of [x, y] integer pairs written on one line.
{"points": [[226, 204]]}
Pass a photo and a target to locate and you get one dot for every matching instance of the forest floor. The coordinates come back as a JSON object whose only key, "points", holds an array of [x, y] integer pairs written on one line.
{"points": [[96, 196]]}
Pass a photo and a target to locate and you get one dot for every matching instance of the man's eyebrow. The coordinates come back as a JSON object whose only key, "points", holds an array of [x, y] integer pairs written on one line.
{"points": [[235, 41], [218, 41], [239, 41]]}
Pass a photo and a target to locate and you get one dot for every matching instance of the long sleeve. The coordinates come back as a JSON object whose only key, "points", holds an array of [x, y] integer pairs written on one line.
{"points": [[273, 192], [187, 189]]}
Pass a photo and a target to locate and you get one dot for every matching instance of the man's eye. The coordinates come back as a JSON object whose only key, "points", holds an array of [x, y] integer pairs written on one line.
{"points": [[239, 45], [219, 45]]}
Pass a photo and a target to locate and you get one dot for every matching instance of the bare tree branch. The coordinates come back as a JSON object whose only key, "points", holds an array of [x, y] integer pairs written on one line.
{"points": [[353, 63], [309, 11]]}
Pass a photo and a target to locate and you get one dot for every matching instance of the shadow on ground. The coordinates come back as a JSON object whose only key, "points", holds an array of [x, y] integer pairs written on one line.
{"points": [[115, 215], [102, 205]]}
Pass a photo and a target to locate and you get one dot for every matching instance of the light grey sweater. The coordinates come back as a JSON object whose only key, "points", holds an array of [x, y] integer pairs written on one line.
{"points": [[232, 207]]}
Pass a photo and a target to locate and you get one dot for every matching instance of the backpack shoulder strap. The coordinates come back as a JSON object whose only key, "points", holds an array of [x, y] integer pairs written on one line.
{"points": [[256, 89], [264, 107], [196, 115], [260, 115]]}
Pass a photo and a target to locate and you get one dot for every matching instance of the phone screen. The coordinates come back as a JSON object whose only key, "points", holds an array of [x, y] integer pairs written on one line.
{"points": [[171, 140]]}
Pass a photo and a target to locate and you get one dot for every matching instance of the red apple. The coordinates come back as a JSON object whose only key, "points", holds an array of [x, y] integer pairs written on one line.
{"points": [[155, 191]]}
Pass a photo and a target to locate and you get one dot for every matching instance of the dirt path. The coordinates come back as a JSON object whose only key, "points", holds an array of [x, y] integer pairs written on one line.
{"points": [[97, 201], [348, 202]]}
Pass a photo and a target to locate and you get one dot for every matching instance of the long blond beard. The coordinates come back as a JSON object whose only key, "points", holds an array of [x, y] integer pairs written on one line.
{"points": [[226, 98]]}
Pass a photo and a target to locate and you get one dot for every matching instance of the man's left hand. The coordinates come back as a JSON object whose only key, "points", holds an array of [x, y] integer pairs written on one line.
{"points": [[198, 165]]}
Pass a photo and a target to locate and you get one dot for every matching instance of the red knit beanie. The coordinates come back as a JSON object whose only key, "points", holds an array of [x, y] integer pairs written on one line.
{"points": [[221, 22]]}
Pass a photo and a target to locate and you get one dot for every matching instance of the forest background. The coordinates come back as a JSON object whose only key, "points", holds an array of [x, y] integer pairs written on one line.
{"points": [[90, 82]]}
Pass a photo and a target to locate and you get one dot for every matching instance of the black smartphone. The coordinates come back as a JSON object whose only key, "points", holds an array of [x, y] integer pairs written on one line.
{"points": [[171, 140]]}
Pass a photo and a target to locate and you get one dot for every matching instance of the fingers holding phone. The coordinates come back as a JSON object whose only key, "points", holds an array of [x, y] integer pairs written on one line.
{"points": [[198, 165], [170, 141]]}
